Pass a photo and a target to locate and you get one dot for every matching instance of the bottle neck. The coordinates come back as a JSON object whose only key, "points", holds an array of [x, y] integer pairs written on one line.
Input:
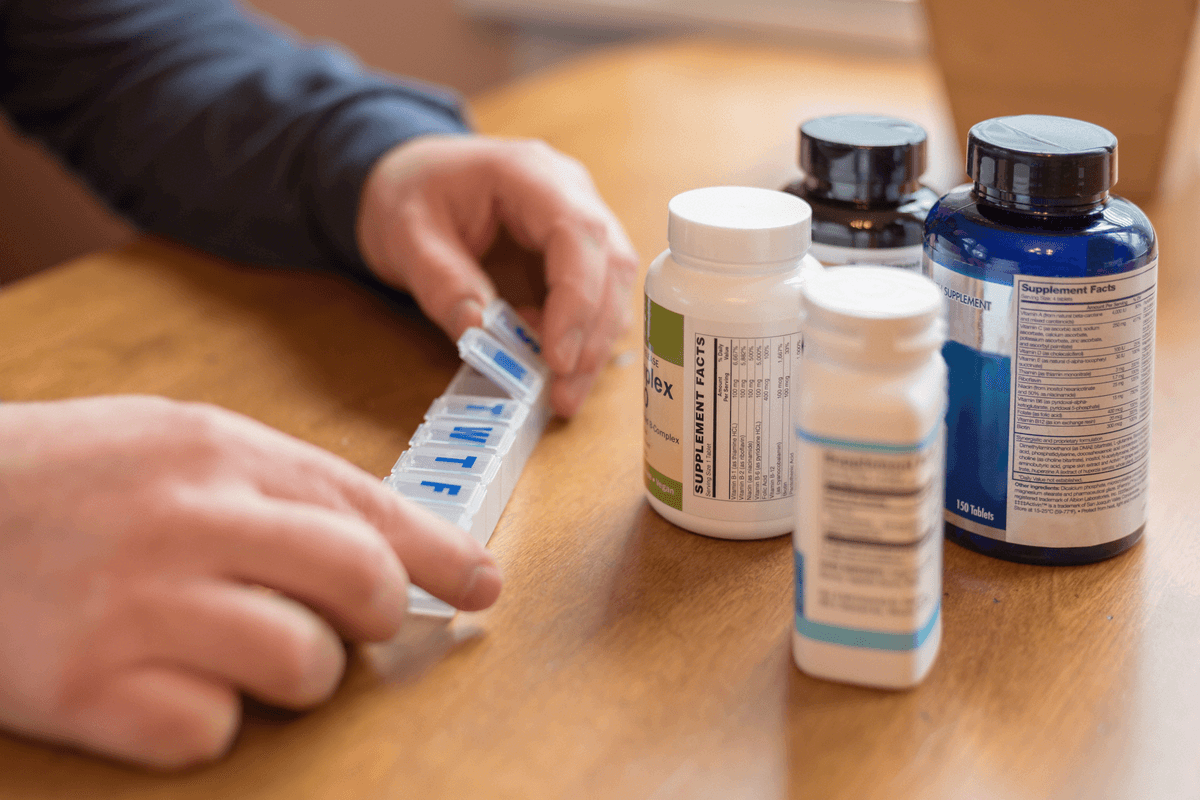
{"points": [[871, 350], [860, 194], [853, 359], [738, 269], [1039, 206]]}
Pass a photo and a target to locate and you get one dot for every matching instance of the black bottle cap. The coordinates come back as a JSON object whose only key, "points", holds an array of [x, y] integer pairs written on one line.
{"points": [[862, 157], [1042, 164]]}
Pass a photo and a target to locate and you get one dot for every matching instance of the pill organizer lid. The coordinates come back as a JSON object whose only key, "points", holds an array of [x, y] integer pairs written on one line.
{"points": [[739, 225], [482, 466], [489, 437], [476, 407], [502, 321], [428, 489], [504, 367]]}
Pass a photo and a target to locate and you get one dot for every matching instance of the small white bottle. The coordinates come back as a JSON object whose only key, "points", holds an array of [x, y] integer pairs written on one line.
{"points": [[721, 341], [870, 436]]}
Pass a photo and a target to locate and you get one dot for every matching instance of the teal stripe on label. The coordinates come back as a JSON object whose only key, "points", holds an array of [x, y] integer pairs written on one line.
{"points": [[877, 447], [873, 640]]}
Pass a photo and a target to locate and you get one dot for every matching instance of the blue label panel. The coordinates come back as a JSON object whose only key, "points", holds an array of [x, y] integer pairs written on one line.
{"points": [[977, 435]]}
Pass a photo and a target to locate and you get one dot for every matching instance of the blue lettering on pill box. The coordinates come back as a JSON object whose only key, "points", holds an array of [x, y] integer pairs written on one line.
{"points": [[448, 488], [496, 410], [467, 462], [509, 364], [527, 339], [470, 433]]}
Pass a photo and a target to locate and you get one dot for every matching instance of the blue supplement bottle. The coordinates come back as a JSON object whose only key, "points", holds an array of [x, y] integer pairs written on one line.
{"points": [[1050, 284]]}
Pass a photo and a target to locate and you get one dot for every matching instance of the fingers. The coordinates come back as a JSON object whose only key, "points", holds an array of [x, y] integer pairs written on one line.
{"points": [[299, 542], [262, 642], [440, 558], [550, 203], [431, 207], [450, 287], [160, 717], [424, 220], [568, 392], [437, 556], [334, 562]]}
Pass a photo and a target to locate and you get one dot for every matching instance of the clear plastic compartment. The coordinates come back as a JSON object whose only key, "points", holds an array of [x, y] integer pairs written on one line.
{"points": [[465, 459]]}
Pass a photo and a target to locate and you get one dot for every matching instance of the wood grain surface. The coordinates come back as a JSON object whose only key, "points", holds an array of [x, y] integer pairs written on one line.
{"points": [[626, 657]]}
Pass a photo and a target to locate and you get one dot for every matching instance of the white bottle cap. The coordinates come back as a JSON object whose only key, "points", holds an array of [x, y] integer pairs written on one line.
{"points": [[872, 314], [739, 225]]}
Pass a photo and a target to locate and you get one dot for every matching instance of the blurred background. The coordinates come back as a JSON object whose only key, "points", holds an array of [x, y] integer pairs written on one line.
{"points": [[476, 45]]}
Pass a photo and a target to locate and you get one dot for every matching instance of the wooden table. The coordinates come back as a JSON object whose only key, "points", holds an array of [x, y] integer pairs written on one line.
{"points": [[628, 658]]}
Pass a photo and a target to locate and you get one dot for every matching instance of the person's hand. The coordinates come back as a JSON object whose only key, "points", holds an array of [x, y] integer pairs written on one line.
{"points": [[157, 558], [432, 206]]}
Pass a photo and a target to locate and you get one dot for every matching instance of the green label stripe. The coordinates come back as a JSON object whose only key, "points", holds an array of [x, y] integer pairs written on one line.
{"points": [[666, 490], [664, 333]]}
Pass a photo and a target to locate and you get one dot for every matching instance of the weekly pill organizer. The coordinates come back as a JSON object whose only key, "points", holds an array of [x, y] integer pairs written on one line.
{"points": [[464, 459]]}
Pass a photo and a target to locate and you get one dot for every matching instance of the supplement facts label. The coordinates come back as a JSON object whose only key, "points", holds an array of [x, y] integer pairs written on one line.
{"points": [[869, 539], [718, 415], [1082, 377], [741, 397]]}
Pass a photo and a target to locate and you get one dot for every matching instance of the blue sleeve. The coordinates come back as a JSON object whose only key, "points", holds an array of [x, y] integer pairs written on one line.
{"points": [[204, 125]]}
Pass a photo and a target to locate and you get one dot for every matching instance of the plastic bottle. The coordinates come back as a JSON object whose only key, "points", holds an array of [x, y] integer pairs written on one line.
{"points": [[862, 179], [721, 338], [870, 434], [1051, 288]]}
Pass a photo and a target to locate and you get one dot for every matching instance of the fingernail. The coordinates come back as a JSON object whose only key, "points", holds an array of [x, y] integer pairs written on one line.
{"points": [[467, 313], [483, 587], [567, 350]]}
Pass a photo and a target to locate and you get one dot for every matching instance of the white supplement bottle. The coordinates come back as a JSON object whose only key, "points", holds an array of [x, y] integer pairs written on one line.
{"points": [[870, 436], [721, 343]]}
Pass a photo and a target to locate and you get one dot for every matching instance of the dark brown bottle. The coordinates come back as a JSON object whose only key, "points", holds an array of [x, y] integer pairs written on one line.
{"points": [[862, 178]]}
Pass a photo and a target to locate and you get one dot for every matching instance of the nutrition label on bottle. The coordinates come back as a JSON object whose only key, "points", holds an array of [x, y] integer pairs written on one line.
{"points": [[742, 415], [1083, 364], [870, 535], [718, 413]]}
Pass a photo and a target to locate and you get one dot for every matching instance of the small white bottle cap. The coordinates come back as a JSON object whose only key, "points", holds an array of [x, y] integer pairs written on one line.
{"points": [[739, 225], [873, 313]]}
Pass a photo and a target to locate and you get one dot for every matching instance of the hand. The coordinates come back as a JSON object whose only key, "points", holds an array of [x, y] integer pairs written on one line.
{"points": [[433, 205], [156, 558]]}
